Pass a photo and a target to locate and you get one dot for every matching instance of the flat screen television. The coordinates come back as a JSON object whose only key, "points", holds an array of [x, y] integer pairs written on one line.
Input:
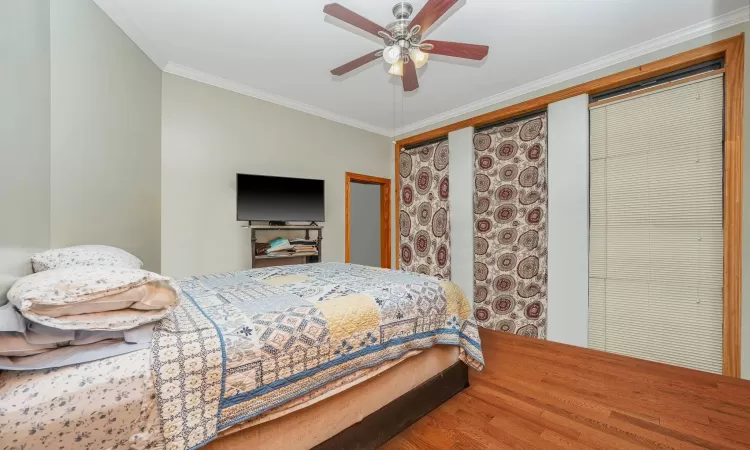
{"points": [[261, 197]]}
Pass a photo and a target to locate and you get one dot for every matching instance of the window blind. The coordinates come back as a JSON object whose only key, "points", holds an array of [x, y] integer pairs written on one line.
{"points": [[656, 231]]}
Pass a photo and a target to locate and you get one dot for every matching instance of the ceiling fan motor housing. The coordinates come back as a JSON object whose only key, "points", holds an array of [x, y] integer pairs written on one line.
{"points": [[402, 10], [399, 28]]}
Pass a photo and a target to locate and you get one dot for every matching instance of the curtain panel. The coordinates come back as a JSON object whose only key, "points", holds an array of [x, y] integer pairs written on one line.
{"points": [[423, 219], [510, 220]]}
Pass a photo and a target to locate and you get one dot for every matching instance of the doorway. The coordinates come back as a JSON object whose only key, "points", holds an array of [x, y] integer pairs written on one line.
{"points": [[368, 220]]}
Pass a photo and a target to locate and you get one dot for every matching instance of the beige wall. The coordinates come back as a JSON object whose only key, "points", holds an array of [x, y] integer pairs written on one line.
{"points": [[723, 34], [24, 123], [210, 134], [105, 135]]}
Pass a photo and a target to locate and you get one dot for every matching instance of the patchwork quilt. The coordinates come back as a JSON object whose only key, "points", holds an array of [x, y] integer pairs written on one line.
{"points": [[243, 343]]}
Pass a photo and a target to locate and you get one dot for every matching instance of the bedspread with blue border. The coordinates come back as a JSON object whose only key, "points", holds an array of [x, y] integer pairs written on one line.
{"points": [[243, 343]]}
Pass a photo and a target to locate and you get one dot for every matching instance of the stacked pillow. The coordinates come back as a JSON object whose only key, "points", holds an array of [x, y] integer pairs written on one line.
{"points": [[84, 255], [86, 295]]}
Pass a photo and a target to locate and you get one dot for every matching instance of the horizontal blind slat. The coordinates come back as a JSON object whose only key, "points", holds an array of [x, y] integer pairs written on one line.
{"points": [[656, 225]]}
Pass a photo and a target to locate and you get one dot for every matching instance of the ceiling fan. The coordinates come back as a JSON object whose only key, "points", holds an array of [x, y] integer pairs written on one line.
{"points": [[404, 48]]}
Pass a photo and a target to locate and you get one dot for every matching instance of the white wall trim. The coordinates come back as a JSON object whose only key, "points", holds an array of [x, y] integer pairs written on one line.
{"points": [[131, 29], [213, 80], [714, 24]]}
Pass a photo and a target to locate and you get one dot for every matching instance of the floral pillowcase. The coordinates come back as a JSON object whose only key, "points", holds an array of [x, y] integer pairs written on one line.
{"points": [[84, 255]]}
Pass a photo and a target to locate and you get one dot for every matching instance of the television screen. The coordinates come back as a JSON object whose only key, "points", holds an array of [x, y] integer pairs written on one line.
{"points": [[276, 198]]}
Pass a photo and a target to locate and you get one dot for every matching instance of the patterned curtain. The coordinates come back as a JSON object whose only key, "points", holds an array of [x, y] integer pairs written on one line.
{"points": [[510, 219], [425, 234]]}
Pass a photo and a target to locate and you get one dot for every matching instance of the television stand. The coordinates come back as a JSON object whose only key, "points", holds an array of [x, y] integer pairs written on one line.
{"points": [[260, 259]]}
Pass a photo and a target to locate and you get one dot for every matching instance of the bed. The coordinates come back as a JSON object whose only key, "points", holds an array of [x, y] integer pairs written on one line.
{"points": [[281, 357]]}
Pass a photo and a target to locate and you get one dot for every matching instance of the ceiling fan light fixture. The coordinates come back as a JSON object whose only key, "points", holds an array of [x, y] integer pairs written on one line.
{"points": [[403, 48], [397, 68], [419, 57], [392, 54]]}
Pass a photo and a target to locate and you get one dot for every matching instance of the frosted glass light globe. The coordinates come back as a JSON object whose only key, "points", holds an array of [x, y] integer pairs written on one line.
{"points": [[392, 54], [419, 57], [397, 68]]}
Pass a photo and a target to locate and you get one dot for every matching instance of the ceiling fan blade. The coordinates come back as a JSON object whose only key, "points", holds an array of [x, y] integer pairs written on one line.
{"points": [[432, 11], [409, 78], [457, 49], [361, 61], [352, 18]]}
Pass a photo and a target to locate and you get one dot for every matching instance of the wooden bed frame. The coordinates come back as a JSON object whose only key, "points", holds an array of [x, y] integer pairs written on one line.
{"points": [[385, 423]]}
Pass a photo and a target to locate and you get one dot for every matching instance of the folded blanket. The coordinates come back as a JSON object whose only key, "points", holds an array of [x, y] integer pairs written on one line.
{"points": [[94, 297], [86, 305], [28, 345]]}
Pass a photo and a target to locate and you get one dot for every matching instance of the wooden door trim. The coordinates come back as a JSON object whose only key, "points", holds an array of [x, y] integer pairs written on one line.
{"points": [[732, 50], [734, 79], [385, 214]]}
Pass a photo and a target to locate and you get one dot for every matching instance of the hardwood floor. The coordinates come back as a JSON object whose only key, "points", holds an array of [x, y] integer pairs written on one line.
{"points": [[537, 394]]}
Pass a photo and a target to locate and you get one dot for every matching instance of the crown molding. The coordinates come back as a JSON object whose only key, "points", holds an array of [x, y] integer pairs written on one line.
{"points": [[714, 24], [202, 77], [122, 20]]}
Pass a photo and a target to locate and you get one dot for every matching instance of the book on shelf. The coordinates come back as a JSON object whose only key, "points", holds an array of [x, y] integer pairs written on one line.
{"points": [[278, 244], [277, 241], [281, 247], [283, 254], [279, 255], [302, 241]]}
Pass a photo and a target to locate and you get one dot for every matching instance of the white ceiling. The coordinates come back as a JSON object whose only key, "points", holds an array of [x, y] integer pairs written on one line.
{"points": [[283, 50]]}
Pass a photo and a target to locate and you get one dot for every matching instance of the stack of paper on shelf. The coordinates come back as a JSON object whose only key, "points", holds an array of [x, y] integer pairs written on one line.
{"points": [[296, 247]]}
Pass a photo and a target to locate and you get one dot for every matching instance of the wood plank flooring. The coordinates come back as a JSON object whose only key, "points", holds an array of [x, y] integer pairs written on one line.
{"points": [[537, 395]]}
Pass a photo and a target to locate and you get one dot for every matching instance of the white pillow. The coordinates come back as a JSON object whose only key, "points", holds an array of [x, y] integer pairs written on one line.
{"points": [[84, 255], [94, 297]]}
